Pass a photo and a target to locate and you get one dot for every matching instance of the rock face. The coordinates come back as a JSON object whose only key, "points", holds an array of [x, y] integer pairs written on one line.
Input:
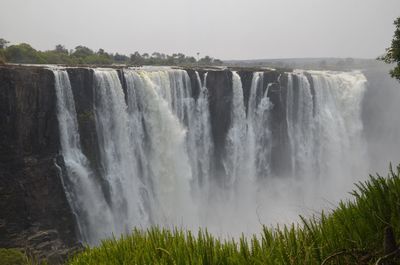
{"points": [[32, 198], [219, 84], [280, 143], [34, 210], [247, 78], [194, 82]]}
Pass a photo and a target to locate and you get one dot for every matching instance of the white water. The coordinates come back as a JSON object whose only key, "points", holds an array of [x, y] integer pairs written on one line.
{"points": [[94, 217], [163, 101], [156, 152], [327, 147]]}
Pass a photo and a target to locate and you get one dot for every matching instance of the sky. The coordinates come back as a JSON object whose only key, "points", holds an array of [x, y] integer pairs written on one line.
{"points": [[224, 29]]}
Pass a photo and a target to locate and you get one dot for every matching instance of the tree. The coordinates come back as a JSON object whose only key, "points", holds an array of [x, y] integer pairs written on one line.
{"points": [[3, 43], [82, 51], [207, 60], [23, 53], [100, 51], [136, 59], [120, 58], [61, 49], [218, 62], [392, 54]]}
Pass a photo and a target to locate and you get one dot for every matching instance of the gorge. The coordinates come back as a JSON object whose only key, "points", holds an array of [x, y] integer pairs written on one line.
{"points": [[87, 153]]}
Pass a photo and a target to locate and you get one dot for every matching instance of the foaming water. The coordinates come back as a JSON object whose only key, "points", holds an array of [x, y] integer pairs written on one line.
{"points": [[157, 151], [94, 217], [166, 155], [327, 146]]}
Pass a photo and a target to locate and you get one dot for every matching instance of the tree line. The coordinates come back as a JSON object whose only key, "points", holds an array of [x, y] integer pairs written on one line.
{"points": [[25, 53]]}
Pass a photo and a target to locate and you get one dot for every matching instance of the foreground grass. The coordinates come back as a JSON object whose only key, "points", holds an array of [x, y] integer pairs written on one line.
{"points": [[359, 232], [12, 256]]}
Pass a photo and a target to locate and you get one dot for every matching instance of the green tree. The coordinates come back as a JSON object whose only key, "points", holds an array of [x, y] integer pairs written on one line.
{"points": [[145, 55], [82, 51], [120, 58], [136, 59], [61, 49], [23, 53], [206, 60], [392, 54], [3, 43]]}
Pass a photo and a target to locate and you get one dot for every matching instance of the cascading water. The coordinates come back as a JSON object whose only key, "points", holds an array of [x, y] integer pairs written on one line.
{"points": [[156, 150], [301, 126], [94, 217], [163, 100], [119, 164]]}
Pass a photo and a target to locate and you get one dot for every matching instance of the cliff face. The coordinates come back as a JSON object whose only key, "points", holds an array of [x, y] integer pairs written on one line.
{"points": [[33, 205], [34, 210], [219, 85], [280, 139]]}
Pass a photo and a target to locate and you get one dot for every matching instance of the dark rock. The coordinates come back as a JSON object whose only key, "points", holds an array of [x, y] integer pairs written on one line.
{"points": [[32, 197], [83, 89], [247, 79], [194, 82], [121, 77], [43, 236], [277, 83], [219, 84]]}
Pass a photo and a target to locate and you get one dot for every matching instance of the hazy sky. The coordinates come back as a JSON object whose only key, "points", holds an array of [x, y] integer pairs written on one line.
{"points": [[226, 29]]}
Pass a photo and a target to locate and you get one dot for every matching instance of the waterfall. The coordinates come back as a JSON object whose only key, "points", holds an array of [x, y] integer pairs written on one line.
{"points": [[94, 217], [249, 138], [339, 130], [165, 107], [201, 143], [301, 126], [156, 149], [236, 161], [119, 164], [325, 131]]}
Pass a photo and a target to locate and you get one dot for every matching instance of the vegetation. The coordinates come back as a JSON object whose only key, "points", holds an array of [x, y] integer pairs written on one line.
{"points": [[24, 53], [12, 257], [362, 231], [393, 52], [16, 257], [3, 45]]}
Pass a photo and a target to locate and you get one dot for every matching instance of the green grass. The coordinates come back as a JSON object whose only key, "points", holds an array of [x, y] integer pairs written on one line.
{"points": [[12, 256], [351, 234]]}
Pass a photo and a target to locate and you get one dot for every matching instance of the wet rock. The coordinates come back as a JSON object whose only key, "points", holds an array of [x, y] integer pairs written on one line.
{"points": [[32, 197], [219, 84]]}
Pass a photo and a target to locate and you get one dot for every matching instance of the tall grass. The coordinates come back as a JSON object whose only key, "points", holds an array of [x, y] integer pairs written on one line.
{"points": [[12, 256], [351, 234]]}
